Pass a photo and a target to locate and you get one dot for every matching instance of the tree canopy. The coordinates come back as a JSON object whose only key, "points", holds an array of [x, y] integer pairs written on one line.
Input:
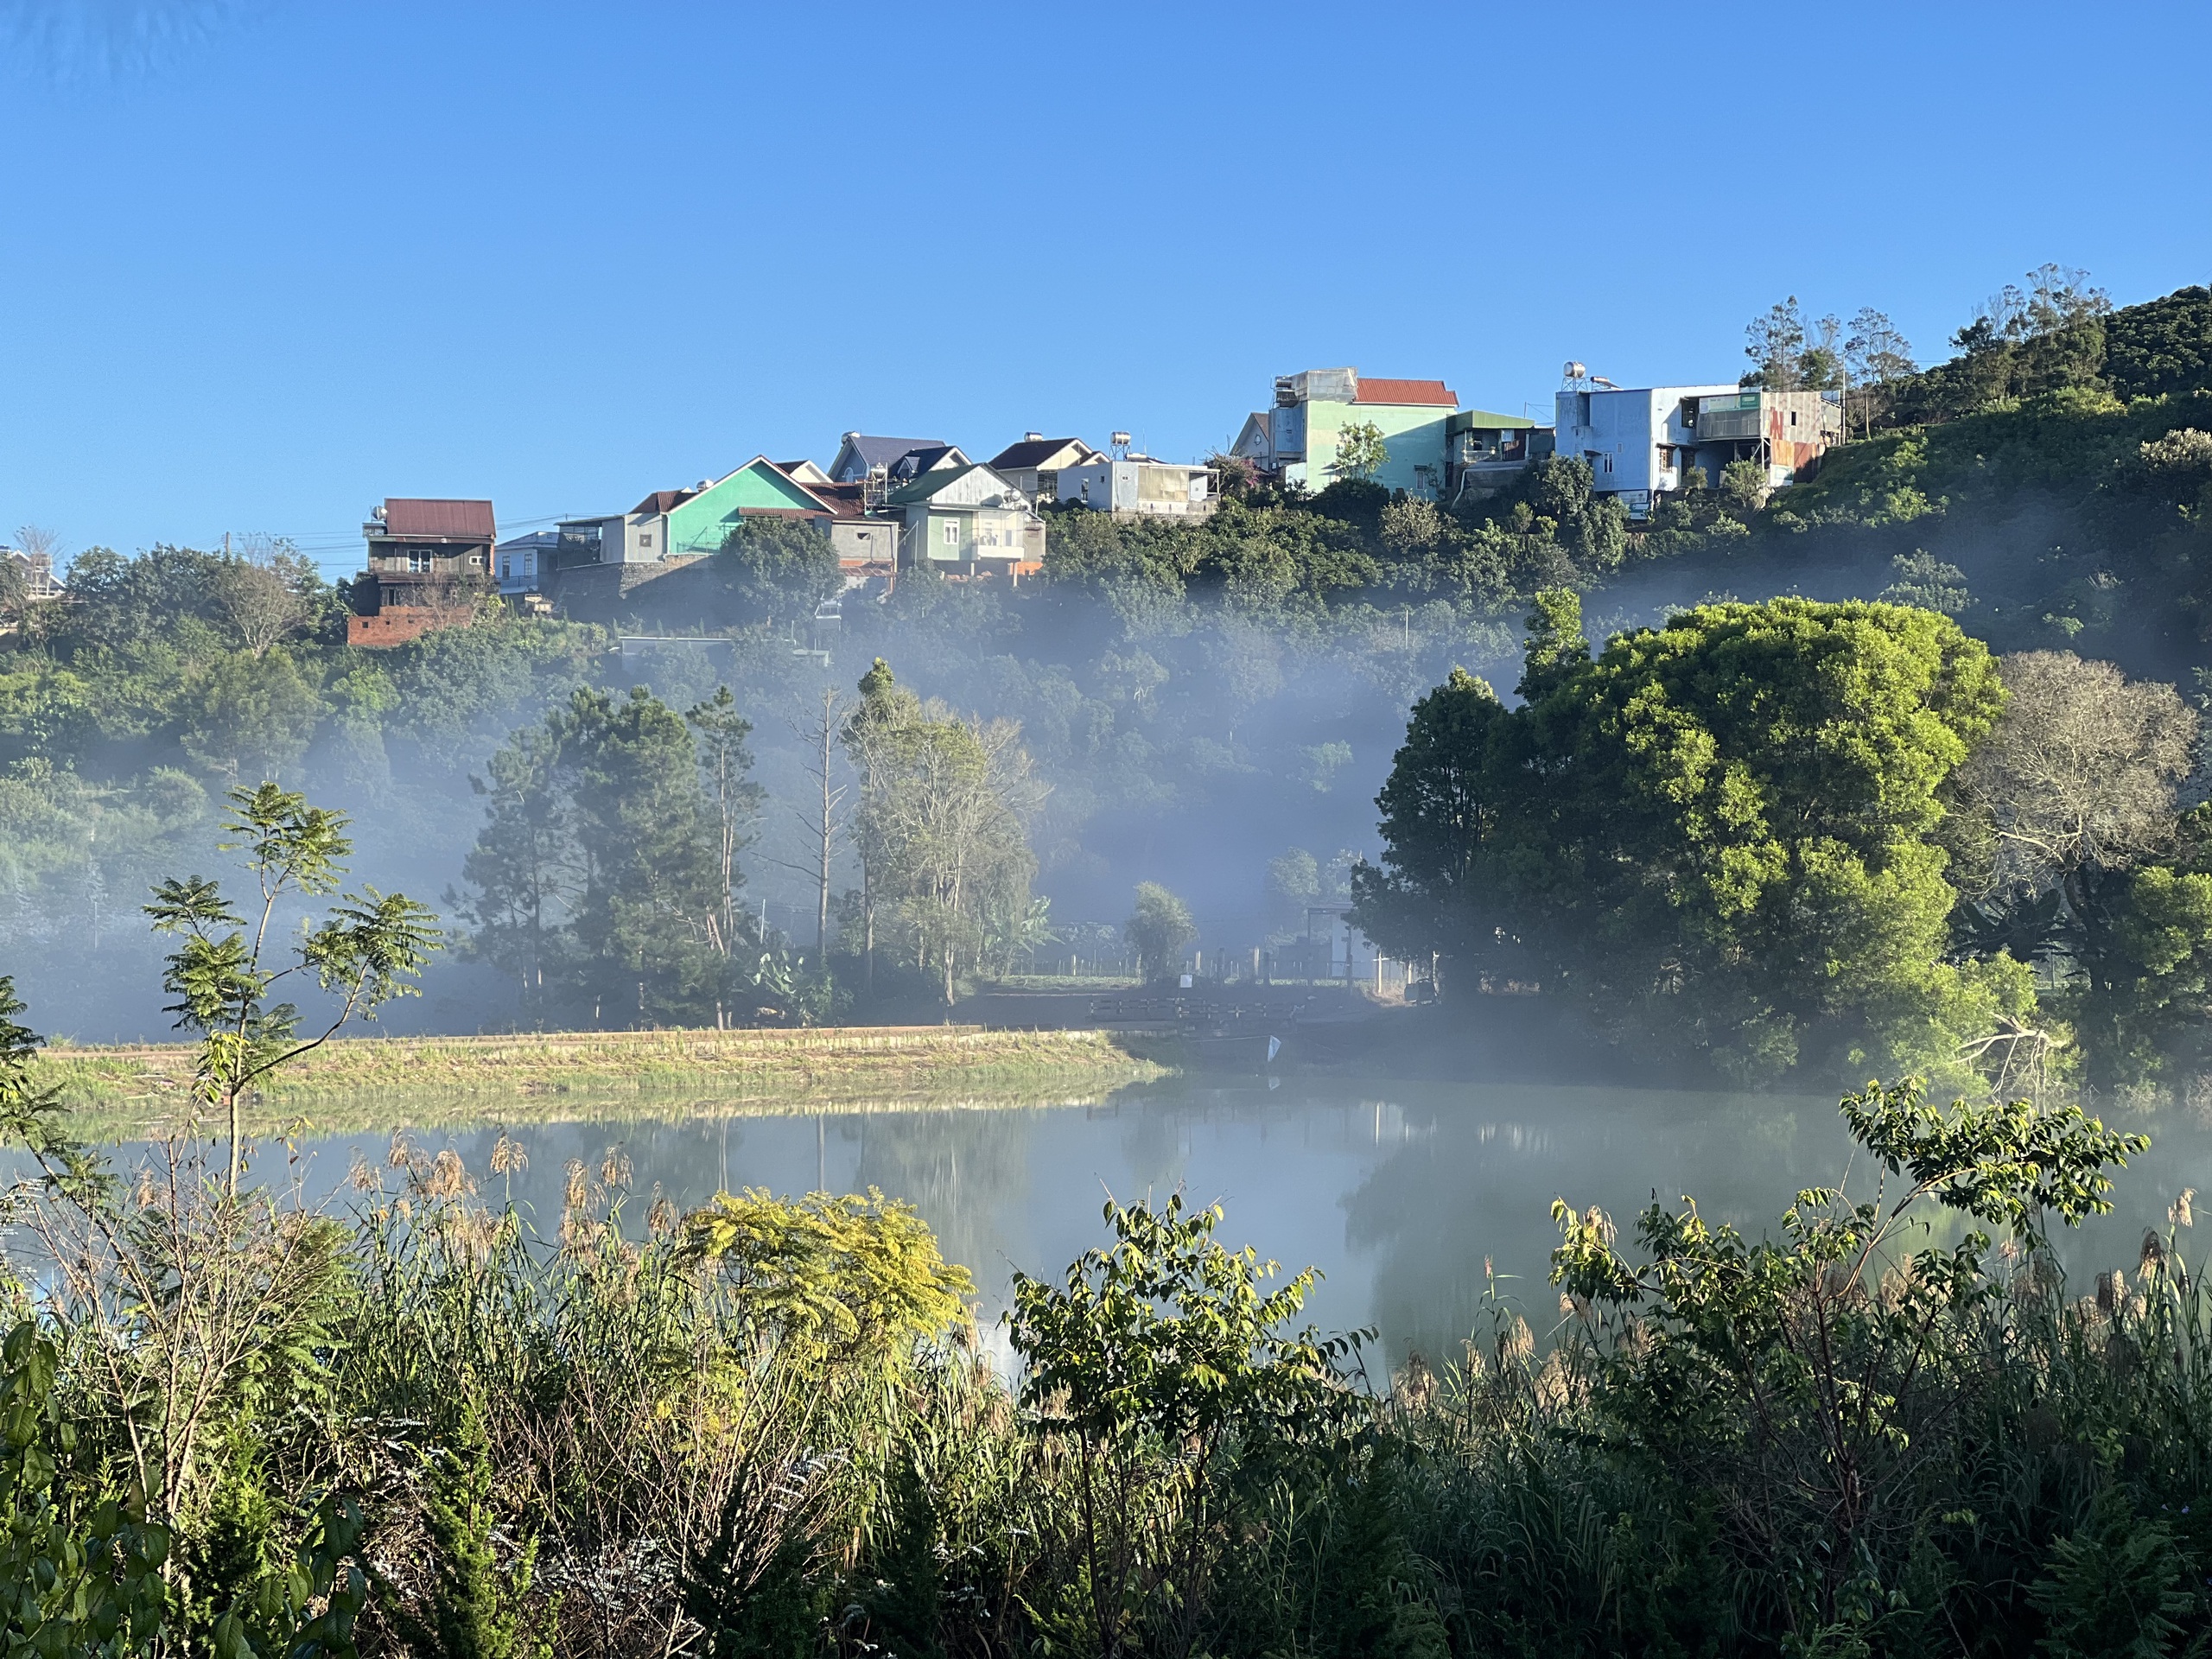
{"points": [[1722, 826]]}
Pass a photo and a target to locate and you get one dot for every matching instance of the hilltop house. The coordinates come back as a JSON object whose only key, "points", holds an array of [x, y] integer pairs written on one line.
{"points": [[601, 560], [520, 562], [968, 521], [891, 462], [683, 524], [1137, 486], [429, 562], [1786, 432], [1033, 465], [1485, 451], [1295, 441], [1642, 441], [35, 570]]}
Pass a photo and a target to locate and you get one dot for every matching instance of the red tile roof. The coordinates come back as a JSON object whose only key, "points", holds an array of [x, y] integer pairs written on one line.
{"points": [[1374, 390], [468, 520], [662, 500]]}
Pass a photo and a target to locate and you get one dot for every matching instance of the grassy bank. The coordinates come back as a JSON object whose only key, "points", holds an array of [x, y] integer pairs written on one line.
{"points": [[454, 1079]]}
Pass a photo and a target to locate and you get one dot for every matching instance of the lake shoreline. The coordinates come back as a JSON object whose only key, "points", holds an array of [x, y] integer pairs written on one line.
{"points": [[144, 1088]]}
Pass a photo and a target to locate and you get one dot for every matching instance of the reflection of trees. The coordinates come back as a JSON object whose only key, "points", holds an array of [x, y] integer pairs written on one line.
{"points": [[1154, 1144], [1476, 1172], [965, 1170], [1454, 1173], [1478, 1169]]}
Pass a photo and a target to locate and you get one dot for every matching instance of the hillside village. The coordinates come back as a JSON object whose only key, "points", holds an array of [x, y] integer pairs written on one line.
{"points": [[890, 504]]}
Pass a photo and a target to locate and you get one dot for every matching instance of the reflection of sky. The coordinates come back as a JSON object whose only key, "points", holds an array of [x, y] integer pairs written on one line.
{"points": [[1396, 1191]]}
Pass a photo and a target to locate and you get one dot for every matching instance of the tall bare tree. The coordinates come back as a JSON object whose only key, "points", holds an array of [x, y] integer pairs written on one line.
{"points": [[1879, 356], [26, 580], [822, 817], [2080, 770], [38, 543], [263, 590], [733, 803]]}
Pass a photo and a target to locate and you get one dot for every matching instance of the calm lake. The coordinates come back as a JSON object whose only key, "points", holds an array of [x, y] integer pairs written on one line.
{"points": [[1398, 1193]]}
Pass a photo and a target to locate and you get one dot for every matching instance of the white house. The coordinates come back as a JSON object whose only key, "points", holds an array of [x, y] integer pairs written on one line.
{"points": [[1641, 440], [1636, 438], [1137, 486]]}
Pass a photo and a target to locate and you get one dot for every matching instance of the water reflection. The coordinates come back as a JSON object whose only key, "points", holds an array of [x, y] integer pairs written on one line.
{"points": [[1398, 1193]]}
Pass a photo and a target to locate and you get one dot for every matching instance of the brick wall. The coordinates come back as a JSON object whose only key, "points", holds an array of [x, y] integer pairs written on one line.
{"points": [[397, 624]]}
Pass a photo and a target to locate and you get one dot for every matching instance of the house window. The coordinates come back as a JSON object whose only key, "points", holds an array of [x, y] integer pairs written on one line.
{"points": [[951, 533], [645, 538], [418, 560]]}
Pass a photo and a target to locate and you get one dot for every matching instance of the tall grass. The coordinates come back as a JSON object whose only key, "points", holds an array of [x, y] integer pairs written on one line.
{"points": [[614, 1440]]}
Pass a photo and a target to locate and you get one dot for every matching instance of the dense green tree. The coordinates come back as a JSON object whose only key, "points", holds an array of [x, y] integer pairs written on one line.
{"points": [[643, 922], [1723, 825], [605, 877], [1436, 891], [251, 716], [1159, 930], [777, 569], [1556, 650], [2162, 348], [1744, 487], [526, 870]]}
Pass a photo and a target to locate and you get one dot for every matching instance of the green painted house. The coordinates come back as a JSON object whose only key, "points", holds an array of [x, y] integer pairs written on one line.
{"points": [[698, 521], [968, 521], [1296, 441], [691, 524]]}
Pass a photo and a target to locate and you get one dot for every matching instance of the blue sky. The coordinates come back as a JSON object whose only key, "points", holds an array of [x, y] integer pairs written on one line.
{"points": [[268, 261]]}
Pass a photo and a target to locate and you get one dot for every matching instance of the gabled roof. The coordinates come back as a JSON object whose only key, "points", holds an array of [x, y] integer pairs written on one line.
{"points": [[457, 520], [1035, 452], [795, 496], [928, 459], [931, 483], [859, 453], [803, 471], [1374, 390]]}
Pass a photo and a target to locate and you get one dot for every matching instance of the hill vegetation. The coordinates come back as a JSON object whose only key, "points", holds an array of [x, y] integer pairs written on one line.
{"points": [[1192, 704]]}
